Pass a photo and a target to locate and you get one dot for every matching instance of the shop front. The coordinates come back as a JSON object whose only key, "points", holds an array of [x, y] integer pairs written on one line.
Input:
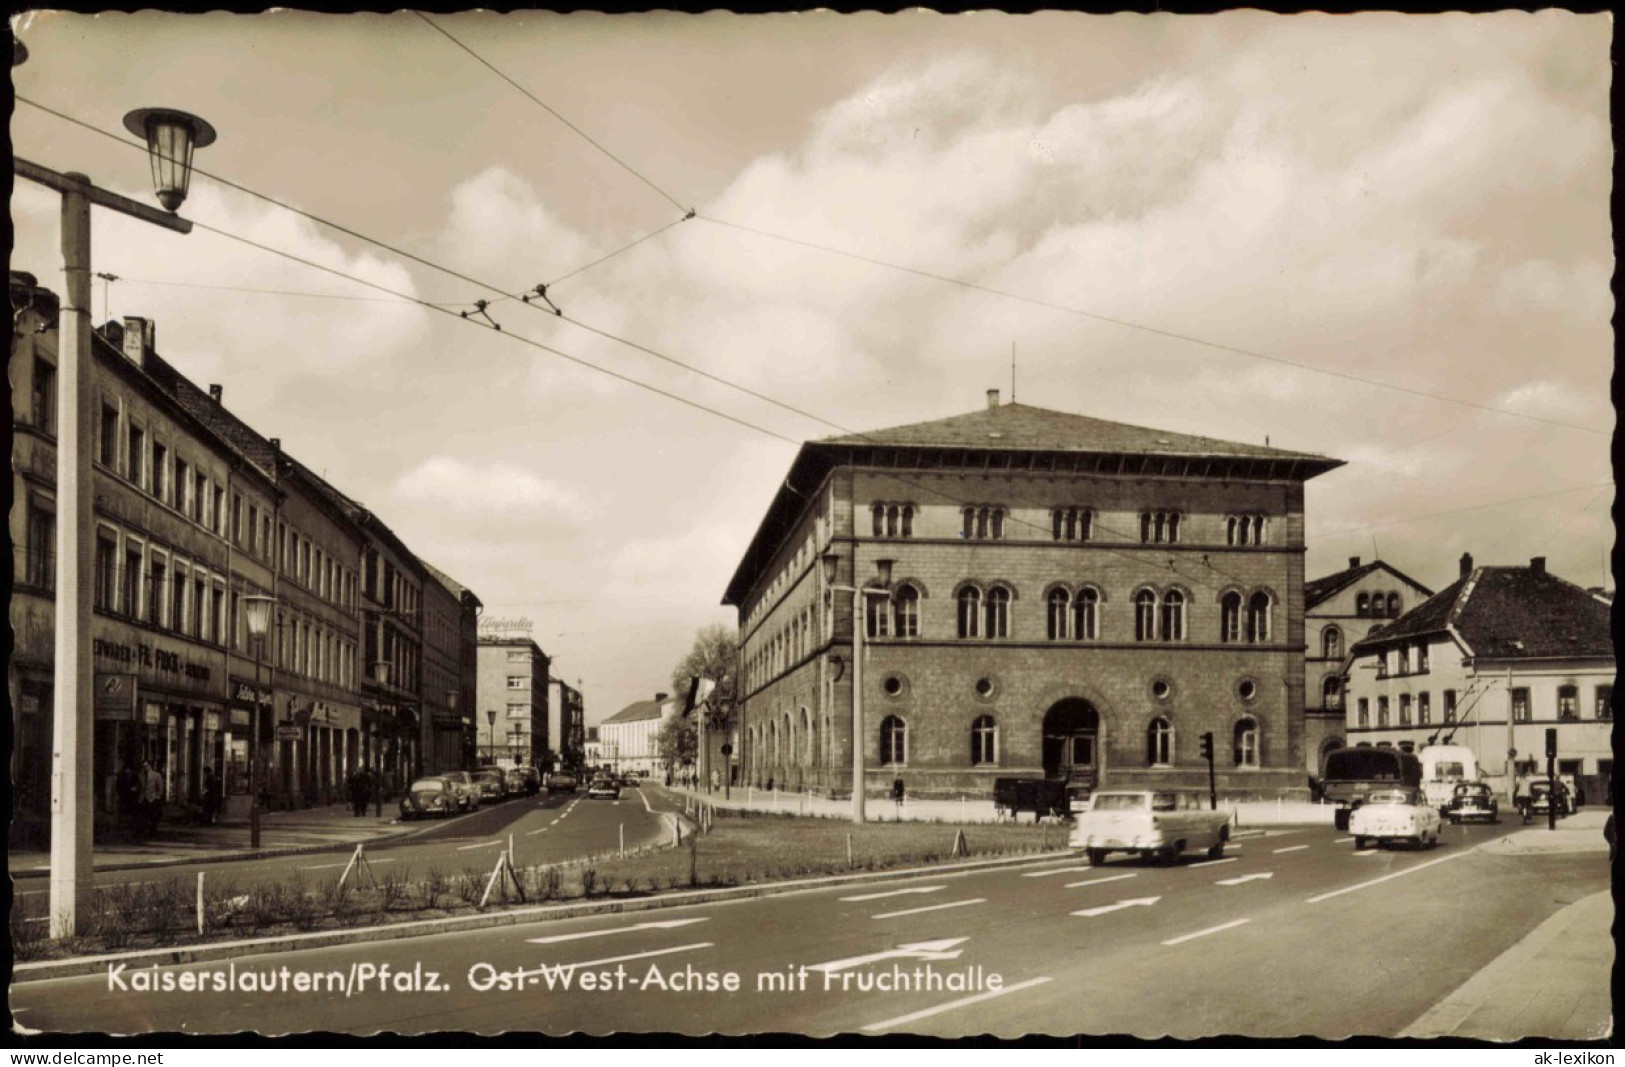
{"points": [[238, 745]]}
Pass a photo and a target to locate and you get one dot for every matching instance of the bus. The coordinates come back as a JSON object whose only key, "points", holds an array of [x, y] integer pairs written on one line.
{"points": [[1352, 774], [1443, 767]]}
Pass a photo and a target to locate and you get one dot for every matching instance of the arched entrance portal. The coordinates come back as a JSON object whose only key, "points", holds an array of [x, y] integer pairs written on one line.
{"points": [[1072, 741]]}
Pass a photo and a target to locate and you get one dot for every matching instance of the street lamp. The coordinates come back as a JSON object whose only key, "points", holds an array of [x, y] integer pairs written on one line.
{"points": [[171, 138], [831, 563], [491, 734], [73, 728], [257, 613]]}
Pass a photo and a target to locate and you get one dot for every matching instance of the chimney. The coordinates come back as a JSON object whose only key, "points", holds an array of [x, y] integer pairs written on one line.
{"points": [[1537, 565], [992, 399], [276, 444], [1466, 564], [1354, 561], [660, 696], [135, 338], [216, 392]]}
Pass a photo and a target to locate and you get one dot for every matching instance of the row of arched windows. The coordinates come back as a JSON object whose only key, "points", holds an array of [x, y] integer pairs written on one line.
{"points": [[1160, 750], [892, 520], [1377, 605]]}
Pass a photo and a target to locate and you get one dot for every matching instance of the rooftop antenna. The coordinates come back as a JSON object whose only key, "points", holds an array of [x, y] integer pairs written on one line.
{"points": [[107, 310], [1012, 372]]}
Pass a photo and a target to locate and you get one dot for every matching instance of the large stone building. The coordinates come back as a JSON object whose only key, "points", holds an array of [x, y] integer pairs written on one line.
{"points": [[1338, 610], [451, 637], [1491, 662], [629, 740], [1068, 597], [512, 697]]}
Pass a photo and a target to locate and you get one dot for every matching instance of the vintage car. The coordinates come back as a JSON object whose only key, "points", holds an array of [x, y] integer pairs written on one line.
{"points": [[1472, 800], [525, 781], [463, 785], [428, 796], [605, 789], [1395, 815], [561, 783], [1540, 799], [493, 783], [1158, 824]]}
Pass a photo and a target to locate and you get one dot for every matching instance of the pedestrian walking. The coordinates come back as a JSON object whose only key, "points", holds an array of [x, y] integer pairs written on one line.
{"points": [[211, 796], [715, 782], [152, 798], [358, 792], [128, 787], [897, 796]]}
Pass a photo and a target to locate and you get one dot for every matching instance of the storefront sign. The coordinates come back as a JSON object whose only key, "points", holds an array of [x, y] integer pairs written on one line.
{"points": [[287, 733], [115, 696], [152, 714], [241, 717], [491, 627], [155, 660], [448, 718], [242, 695], [211, 721]]}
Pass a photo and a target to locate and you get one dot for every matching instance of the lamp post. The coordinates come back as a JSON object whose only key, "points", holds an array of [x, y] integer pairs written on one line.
{"points": [[491, 735], [257, 614], [171, 138], [380, 673], [831, 563]]}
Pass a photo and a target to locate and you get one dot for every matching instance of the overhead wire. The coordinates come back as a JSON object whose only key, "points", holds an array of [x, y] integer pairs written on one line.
{"points": [[1457, 511]]}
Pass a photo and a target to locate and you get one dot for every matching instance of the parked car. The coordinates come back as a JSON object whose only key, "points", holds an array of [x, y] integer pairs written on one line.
{"points": [[493, 785], [561, 783], [467, 791], [1396, 815], [524, 780], [1541, 799], [604, 789], [630, 782], [1472, 800], [428, 796], [1158, 824]]}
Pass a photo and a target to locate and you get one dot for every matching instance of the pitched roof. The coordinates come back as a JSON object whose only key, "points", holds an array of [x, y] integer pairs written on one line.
{"points": [[638, 712], [1510, 613], [1323, 589]]}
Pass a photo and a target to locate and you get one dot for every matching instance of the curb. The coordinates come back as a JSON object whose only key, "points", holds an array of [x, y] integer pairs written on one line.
{"points": [[45, 970]]}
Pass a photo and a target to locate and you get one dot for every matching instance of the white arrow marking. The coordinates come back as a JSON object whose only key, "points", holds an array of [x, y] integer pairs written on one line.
{"points": [[1368, 852], [1098, 881], [892, 893], [1209, 863], [1204, 933], [903, 1020], [932, 907], [1245, 878], [1342, 840], [1138, 902], [669, 924], [1058, 870], [919, 950], [1294, 848]]}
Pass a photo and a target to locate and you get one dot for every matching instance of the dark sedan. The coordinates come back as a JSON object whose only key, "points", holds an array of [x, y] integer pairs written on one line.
{"points": [[1472, 800]]}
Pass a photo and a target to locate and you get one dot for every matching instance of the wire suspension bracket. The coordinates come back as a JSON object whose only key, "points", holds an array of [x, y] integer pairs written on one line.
{"points": [[540, 293], [479, 312]]}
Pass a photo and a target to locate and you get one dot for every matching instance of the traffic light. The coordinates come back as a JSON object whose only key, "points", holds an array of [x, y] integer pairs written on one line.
{"points": [[1551, 742], [1207, 746]]}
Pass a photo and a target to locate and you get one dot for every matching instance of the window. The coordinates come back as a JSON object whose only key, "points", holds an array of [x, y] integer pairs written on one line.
{"points": [[875, 615], [1085, 615], [160, 472], [40, 568], [1362, 605], [200, 497], [518, 711], [1393, 605], [1382, 664], [1605, 702], [158, 574], [1520, 705], [177, 602], [253, 529], [1422, 659], [984, 741], [1424, 709], [1059, 604], [1173, 616], [1071, 524], [1159, 743], [970, 611], [1244, 530], [1230, 617], [518, 681], [44, 396], [1159, 527], [1404, 709], [1364, 712], [219, 512], [893, 741], [998, 612], [1145, 615], [183, 484], [983, 522], [906, 611], [1258, 618], [200, 609], [1402, 657], [137, 457], [1382, 711], [1331, 643], [218, 601], [1568, 702], [1246, 743], [893, 520], [109, 443], [237, 519], [106, 587], [1331, 693]]}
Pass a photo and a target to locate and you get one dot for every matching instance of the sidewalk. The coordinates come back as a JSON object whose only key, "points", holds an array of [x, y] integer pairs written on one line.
{"points": [[1555, 982], [305, 830]]}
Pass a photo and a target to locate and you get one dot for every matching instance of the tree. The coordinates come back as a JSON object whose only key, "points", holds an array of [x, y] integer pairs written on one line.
{"points": [[677, 741], [715, 658]]}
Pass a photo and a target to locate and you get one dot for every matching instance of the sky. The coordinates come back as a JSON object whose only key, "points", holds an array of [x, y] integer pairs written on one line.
{"points": [[1382, 238]]}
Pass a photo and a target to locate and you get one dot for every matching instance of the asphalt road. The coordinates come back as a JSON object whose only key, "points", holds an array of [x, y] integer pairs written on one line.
{"points": [[1293, 933], [545, 829]]}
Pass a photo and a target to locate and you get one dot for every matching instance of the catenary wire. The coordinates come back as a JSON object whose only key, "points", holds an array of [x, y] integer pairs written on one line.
{"points": [[1458, 511]]}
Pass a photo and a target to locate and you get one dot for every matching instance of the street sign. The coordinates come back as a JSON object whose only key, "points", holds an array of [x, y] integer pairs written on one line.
{"points": [[287, 733]]}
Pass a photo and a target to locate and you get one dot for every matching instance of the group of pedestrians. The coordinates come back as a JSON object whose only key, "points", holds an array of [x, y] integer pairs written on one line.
{"points": [[141, 798], [366, 786]]}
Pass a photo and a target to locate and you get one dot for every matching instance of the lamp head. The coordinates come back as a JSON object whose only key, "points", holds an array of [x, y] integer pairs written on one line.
{"points": [[831, 562], [257, 614], [171, 138]]}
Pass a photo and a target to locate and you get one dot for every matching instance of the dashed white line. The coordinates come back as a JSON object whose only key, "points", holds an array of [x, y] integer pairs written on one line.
{"points": [[1210, 863], [903, 1020], [1386, 877], [1294, 848], [1204, 933], [1098, 881], [932, 907], [481, 844], [1057, 870], [1342, 840], [893, 893]]}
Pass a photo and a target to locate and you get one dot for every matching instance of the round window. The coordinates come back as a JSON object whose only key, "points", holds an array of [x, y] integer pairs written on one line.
{"points": [[893, 685], [1162, 689], [1247, 689], [984, 687]]}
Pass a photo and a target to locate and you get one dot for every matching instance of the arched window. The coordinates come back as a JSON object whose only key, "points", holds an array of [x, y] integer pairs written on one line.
{"points": [[1230, 530], [1145, 615], [875, 612], [1258, 618], [908, 520], [984, 741], [893, 741], [1331, 693], [981, 522], [1057, 518], [1393, 605], [1173, 616], [1159, 743], [970, 611], [892, 515], [806, 731], [906, 611], [1331, 643], [789, 739], [1085, 615], [1246, 747], [773, 740], [1362, 605], [879, 513], [998, 523], [1060, 610], [1230, 617], [998, 612], [969, 529]]}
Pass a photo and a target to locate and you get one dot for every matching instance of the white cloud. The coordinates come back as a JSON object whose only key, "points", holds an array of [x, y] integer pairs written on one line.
{"points": [[498, 493]]}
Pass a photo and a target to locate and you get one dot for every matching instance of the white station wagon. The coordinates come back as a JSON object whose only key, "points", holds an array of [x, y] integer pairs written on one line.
{"points": [[1396, 815], [1156, 823]]}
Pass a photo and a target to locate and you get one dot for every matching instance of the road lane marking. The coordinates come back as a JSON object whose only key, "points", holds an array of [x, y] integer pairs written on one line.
{"points": [[481, 844], [1210, 863], [668, 924], [933, 907], [645, 798], [557, 967], [918, 950], [1245, 878], [1368, 852], [892, 893], [1204, 933], [903, 1020], [1098, 881], [1342, 840], [1058, 870], [1137, 902], [330, 866], [1294, 848], [1386, 877]]}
